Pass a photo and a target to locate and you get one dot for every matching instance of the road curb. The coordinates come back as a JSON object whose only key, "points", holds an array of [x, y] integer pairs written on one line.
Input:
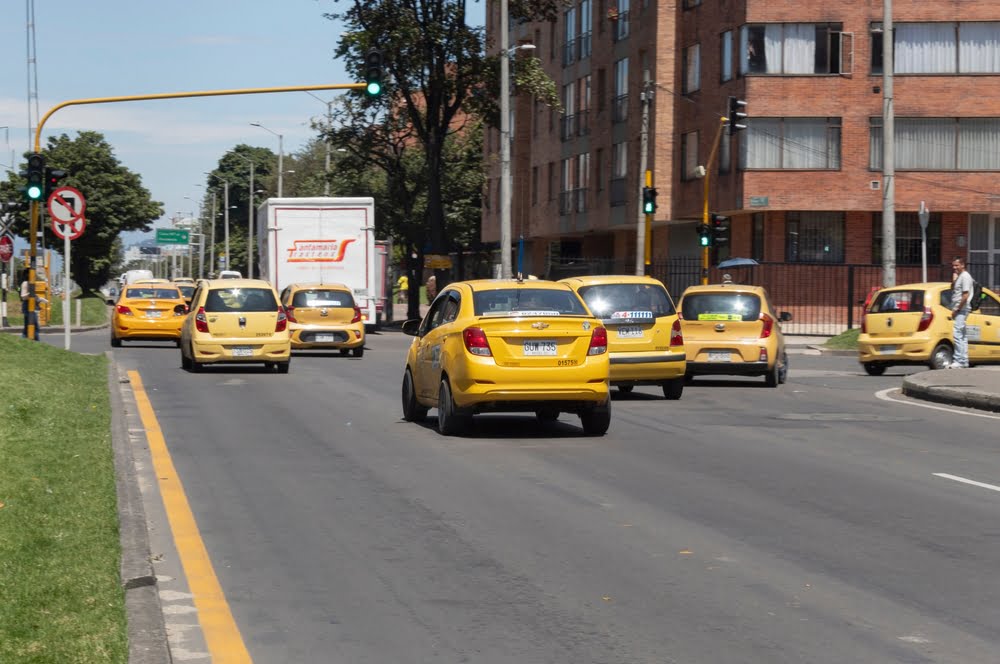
{"points": [[841, 352], [59, 330], [914, 387], [147, 634]]}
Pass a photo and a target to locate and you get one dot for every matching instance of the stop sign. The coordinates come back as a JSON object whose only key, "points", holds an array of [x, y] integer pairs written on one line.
{"points": [[6, 248]]}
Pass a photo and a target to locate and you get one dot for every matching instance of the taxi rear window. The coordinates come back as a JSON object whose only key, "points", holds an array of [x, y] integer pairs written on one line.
{"points": [[609, 301], [721, 306], [527, 302], [247, 300], [897, 301], [323, 298], [153, 294], [186, 291]]}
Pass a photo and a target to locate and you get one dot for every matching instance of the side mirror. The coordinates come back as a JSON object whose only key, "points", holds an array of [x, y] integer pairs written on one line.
{"points": [[411, 327], [785, 316]]}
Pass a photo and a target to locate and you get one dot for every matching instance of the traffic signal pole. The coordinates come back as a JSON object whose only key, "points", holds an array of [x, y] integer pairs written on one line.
{"points": [[704, 211], [35, 212], [645, 219]]}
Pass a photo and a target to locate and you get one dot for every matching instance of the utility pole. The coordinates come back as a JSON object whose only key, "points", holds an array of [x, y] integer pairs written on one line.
{"points": [[505, 193], [704, 212], [211, 249], [888, 152], [644, 178], [226, 214]]}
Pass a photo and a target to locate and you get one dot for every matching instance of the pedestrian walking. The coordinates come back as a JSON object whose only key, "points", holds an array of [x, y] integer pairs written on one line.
{"points": [[403, 288], [961, 291]]}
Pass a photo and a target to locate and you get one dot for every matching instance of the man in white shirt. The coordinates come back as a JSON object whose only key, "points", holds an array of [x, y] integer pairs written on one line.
{"points": [[961, 291]]}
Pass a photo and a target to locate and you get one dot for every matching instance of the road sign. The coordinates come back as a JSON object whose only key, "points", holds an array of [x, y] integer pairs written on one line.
{"points": [[74, 228], [172, 236], [66, 205], [6, 248]]}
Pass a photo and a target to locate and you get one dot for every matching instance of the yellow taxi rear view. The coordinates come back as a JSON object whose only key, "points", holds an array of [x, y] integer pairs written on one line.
{"points": [[507, 346], [148, 311], [324, 316], [645, 344], [235, 321]]}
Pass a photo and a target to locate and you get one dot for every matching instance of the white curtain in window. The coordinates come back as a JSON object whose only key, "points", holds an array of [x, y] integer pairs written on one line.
{"points": [[772, 47], [925, 48], [569, 99], [690, 153], [979, 48], [799, 48], [875, 139], [979, 144], [805, 143], [925, 143], [583, 171], [570, 16], [693, 74], [620, 159], [761, 144]]}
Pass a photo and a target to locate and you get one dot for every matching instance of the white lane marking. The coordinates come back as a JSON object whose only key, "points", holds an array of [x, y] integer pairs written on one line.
{"points": [[963, 480], [964, 412]]}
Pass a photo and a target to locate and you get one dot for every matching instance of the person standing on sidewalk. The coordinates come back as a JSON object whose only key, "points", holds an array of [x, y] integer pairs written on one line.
{"points": [[961, 291]]}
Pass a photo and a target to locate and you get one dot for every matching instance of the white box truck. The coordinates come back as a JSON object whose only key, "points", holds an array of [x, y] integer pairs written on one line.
{"points": [[320, 240]]}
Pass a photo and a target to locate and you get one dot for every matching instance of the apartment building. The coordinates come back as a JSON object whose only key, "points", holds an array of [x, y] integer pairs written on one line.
{"points": [[803, 183]]}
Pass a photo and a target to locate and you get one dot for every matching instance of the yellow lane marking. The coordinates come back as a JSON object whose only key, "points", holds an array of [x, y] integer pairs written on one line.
{"points": [[225, 643]]}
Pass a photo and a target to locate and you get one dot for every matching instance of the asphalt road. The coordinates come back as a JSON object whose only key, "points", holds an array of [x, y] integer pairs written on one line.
{"points": [[739, 524]]}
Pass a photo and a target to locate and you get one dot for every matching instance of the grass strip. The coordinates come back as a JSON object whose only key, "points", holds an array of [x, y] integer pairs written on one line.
{"points": [[846, 340], [61, 598], [93, 311]]}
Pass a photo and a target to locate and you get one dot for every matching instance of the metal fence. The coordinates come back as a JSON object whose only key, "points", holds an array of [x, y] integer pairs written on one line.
{"points": [[824, 299]]}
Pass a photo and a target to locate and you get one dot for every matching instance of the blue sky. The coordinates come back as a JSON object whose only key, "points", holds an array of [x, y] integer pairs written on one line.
{"points": [[128, 47]]}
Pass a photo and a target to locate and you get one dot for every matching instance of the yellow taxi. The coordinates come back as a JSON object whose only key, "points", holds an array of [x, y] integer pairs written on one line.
{"points": [[645, 344], [186, 286], [235, 320], [912, 324], [148, 311], [733, 329], [324, 316], [507, 346]]}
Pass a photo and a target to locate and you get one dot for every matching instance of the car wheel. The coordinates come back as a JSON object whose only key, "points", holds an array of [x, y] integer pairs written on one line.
{"points": [[625, 389], [283, 367], [942, 356], [874, 368], [185, 362], [783, 372], [688, 378], [115, 341], [673, 389], [195, 366], [547, 414], [359, 351], [412, 411], [177, 342], [344, 352], [596, 420], [450, 422], [772, 378]]}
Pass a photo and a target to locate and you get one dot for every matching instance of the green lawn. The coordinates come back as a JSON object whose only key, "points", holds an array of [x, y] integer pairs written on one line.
{"points": [[93, 311], [847, 340], [61, 598]]}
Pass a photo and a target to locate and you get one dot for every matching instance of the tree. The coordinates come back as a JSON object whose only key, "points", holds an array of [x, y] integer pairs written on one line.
{"points": [[116, 202]]}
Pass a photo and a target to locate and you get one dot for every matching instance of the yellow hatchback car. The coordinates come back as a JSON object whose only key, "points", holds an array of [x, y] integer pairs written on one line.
{"points": [[186, 286], [507, 346], [148, 311], [645, 344], [732, 329], [324, 316], [912, 324], [235, 320]]}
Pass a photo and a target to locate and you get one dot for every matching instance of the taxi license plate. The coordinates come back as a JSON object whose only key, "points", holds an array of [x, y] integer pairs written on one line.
{"points": [[153, 314], [629, 332], [888, 350], [242, 351], [322, 338], [539, 347], [719, 356]]}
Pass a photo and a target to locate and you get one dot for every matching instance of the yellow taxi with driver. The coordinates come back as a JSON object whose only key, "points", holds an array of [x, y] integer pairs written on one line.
{"points": [[235, 321], [324, 316], [645, 344], [733, 329], [912, 324], [507, 345], [186, 286], [148, 311]]}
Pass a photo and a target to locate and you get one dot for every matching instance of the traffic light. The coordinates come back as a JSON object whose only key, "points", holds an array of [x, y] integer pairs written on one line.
{"points": [[373, 72], [720, 230], [704, 235], [648, 200], [736, 115], [52, 178], [36, 177]]}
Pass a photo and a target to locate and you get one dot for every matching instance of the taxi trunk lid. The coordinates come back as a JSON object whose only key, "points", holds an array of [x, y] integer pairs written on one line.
{"points": [[898, 313], [242, 325], [155, 308], [550, 341]]}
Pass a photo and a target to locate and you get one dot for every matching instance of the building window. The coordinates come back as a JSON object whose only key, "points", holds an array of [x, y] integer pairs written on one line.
{"points": [[814, 237], [757, 236], [726, 56], [534, 185], [582, 181], [941, 48], [569, 46], [940, 144], [688, 4], [692, 68], [725, 153], [791, 143], [620, 111], [586, 28], [569, 111], [566, 191], [790, 48], [689, 155], [619, 171], [908, 239], [620, 21]]}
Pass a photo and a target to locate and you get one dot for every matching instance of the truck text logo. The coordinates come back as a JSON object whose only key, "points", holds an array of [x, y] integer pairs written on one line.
{"points": [[318, 251]]}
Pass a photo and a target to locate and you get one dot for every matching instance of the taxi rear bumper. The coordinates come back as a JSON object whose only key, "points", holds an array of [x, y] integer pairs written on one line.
{"points": [[228, 350], [647, 366]]}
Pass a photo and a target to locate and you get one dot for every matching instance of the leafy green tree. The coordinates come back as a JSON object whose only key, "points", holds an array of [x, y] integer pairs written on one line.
{"points": [[116, 202]]}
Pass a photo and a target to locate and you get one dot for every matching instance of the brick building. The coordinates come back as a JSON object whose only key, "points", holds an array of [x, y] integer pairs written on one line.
{"points": [[803, 183]]}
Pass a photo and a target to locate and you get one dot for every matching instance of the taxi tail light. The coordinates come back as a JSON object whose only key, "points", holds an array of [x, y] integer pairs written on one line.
{"points": [[768, 322], [290, 313], [598, 341], [357, 315], [864, 322], [282, 323], [763, 355], [676, 338], [926, 319], [476, 341], [201, 320], [123, 310]]}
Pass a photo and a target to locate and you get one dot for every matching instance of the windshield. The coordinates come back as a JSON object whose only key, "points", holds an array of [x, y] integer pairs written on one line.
{"points": [[323, 298], [240, 300], [527, 302], [151, 293], [898, 301], [610, 301], [721, 306], [186, 291]]}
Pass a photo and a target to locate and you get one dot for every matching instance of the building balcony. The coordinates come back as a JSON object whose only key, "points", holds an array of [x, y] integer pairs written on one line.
{"points": [[569, 51]]}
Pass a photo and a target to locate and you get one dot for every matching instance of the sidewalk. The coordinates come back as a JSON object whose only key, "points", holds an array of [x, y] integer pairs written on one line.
{"points": [[971, 388]]}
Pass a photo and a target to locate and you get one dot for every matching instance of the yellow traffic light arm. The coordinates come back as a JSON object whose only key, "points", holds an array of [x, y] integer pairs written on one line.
{"points": [[704, 212]]}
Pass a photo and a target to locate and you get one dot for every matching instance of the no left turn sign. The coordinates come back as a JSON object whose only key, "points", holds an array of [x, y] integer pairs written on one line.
{"points": [[66, 205]]}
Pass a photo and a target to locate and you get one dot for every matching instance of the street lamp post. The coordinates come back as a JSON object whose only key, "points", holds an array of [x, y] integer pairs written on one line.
{"points": [[329, 124], [226, 215], [505, 186], [281, 155]]}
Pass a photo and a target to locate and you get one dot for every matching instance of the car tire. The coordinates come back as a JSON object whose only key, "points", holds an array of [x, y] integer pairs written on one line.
{"points": [[547, 414], [195, 366], [688, 378], [596, 420], [344, 352], [673, 389], [626, 389], [115, 342], [942, 356], [283, 367], [412, 410], [177, 343], [772, 377], [874, 368], [359, 351], [185, 362], [450, 421], [783, 372]]}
